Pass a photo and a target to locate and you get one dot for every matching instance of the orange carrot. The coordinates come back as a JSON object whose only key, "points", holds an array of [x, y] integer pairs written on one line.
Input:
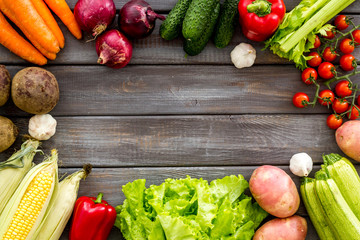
{"points": [[50, 21], [32, 23], [62, 10], [13, 18], [10, 39]]}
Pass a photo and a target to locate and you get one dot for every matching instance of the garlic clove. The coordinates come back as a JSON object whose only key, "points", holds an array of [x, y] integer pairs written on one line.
{"points": [[42, 127], [301, 164]]}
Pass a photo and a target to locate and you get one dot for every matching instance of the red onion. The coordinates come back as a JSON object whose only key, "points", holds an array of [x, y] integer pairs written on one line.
{"points": [[94, 16], [137, 19], [114, 49]]}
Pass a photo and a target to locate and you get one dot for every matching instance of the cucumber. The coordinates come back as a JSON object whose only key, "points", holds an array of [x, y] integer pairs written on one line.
{"points": [[197, 18], [315, 211], [193, 48], [225, 26], [340, 216], [171, 27]]}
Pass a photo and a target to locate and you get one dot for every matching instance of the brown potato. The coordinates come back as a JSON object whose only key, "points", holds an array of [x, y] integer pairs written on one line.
{"points": [[35, 90], [8, 133], [291, 228], [5, 82]]}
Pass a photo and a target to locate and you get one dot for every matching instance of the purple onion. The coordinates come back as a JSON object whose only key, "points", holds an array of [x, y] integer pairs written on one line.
{"points": [[137, 19]]}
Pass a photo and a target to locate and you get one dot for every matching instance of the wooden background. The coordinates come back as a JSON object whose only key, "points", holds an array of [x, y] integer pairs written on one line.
{"points": [[167, 115]]}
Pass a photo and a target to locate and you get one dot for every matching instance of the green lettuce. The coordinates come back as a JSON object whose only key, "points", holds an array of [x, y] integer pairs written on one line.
{"points": [[189, 209]]}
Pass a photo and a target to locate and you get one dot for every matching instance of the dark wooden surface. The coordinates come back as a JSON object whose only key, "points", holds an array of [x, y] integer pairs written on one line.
{"points": [[166, 115]]}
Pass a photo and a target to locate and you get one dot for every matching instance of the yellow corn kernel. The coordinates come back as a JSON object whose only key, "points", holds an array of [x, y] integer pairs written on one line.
{"points": [[18, 225]]}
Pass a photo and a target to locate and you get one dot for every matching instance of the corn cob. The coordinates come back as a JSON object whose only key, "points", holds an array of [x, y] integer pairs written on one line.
{"points": [[26, 208], [335, 207], [346, 178], [60, 212], [14, 169], [315, 211]]}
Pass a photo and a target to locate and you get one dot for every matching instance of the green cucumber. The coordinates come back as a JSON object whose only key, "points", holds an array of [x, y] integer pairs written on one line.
{"points": [[171, 27], [225, 26], [197, 17], [193, 48]]}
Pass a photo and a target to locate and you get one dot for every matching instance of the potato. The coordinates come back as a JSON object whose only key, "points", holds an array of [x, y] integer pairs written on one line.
{"points": [[348, 139], [291, 228], [5, 81], [8, 133], [274, 191], [35, 90]]}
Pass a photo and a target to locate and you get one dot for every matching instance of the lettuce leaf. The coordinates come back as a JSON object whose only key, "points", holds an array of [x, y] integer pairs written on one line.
{"points": [[187, 209]]}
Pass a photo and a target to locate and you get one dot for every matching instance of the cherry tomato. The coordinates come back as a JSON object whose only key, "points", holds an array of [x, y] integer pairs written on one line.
{"points": [[346, 62], [342, 89], [326, 97], [315, 61], [300, 100], [356, 36], [347, 46], [330, 34], [354, 113], [333, 121], [329, 55], [341, 22], [317, 42], [358, 100], [325, 70], [309, 75], [340, 105]]}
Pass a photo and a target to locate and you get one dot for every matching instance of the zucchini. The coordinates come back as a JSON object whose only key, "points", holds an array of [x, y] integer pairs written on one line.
{"points": [[225, 26], [315, 211], [193, 48], [346, 178], [340, 216], [197, 17], [171, 27]]}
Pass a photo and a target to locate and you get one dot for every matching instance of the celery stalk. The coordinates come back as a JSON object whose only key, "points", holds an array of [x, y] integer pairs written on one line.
{"points": [[319, 19]]}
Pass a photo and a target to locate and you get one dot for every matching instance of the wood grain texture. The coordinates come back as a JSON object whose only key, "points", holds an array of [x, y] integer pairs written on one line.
{"points": [[111, 180], [158, 90], [237, 140], [155, 50]]}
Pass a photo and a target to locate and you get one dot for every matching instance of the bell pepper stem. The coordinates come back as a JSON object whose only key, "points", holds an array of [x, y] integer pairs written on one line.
{"points": [[260, 7], [99, 198]]}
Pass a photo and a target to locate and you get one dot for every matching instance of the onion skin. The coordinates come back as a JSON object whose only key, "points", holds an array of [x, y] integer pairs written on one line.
{"points": [[94, 16], [137, 19], [114, 49]]}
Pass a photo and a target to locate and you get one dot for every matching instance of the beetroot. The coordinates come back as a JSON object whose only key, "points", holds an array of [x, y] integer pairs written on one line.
{"points": [[113, 49], [137, 19], [94, 16]]}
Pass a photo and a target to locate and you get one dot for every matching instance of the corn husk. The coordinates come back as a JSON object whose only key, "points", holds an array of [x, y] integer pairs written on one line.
{"points": [[49, 165], [13, 170], [60, 212]]}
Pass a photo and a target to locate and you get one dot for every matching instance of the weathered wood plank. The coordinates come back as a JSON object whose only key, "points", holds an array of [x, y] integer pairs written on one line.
{"points": [[109, 181], [153, 90], [155, 50], [241, 140]]}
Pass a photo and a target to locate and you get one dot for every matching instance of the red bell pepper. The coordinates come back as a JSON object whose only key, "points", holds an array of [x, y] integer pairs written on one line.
{"points": [[92, 219], [259, 19]]}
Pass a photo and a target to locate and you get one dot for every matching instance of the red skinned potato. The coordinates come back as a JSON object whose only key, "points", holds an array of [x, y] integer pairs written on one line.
{"points": [[274, 191], [348, 139], [291, 228]]}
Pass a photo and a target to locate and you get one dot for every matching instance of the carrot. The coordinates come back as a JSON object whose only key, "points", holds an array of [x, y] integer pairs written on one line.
{"points": [[33, 23], [62, 10], [10, 39], [13, 18], [50, 21]]}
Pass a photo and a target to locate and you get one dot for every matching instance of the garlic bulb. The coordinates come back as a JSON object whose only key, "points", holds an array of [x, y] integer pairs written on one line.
{"points": [[243, 55], [301, 164], [42, 127]]}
